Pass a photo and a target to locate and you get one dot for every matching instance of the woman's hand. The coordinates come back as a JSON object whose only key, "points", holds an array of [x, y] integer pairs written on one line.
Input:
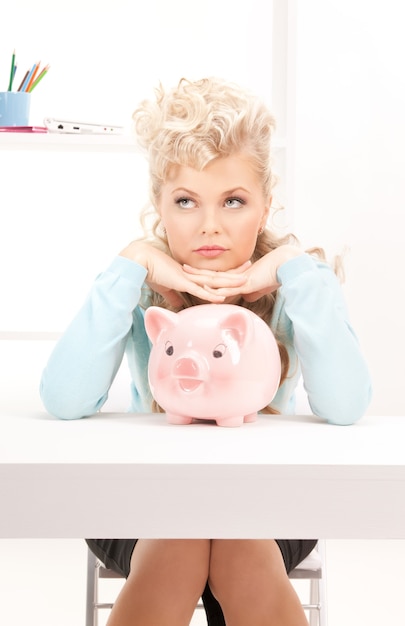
{"points": [[167, 277], [260, 277]]}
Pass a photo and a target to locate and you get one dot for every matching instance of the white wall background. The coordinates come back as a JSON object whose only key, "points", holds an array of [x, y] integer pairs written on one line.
{"points": [[64, 215], [105, 56], [348, 178]]}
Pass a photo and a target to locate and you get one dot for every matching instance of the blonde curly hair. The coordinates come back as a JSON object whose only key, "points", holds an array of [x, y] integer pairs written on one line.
{"points": [[197, 122]]}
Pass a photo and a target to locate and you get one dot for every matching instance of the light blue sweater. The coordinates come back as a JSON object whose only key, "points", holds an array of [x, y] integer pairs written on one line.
{"points": [[309, 317]]}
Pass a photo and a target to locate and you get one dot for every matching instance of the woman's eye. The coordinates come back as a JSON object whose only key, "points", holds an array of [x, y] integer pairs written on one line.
{"points": [[185, 203], [234, 203]]}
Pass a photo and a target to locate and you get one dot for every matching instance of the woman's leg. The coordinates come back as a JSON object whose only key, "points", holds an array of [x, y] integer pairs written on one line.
{"points": [[249, 580], [166, 580]]}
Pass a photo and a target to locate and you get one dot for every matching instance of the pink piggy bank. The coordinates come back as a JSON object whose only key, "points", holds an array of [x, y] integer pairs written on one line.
{"points": [[212, 361]]}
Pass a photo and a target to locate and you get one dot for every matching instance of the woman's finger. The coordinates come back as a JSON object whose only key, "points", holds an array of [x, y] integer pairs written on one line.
{"points": [[217, 280], [204, 272]]}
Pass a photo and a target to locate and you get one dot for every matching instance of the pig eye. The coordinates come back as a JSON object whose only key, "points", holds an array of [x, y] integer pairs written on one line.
{"points": [[219, 351], [169, 348]]}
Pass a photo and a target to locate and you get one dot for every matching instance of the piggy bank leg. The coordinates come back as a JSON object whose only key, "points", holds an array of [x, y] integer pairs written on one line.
{"points": [[172, 418], [230, 422], [252, 417]]}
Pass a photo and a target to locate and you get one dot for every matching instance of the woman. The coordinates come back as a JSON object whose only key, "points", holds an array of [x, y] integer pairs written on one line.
{"points": [[208, 145]]}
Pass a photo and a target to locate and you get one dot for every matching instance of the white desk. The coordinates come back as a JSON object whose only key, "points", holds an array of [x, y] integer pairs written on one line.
{"points": [[123, 475]]}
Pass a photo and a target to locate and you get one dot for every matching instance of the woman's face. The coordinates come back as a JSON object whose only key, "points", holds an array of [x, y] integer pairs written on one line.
{"points": [[212, 217]]}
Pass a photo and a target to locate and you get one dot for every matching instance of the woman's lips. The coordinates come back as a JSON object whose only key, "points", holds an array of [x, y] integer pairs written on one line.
{"points": [[210, 251]]}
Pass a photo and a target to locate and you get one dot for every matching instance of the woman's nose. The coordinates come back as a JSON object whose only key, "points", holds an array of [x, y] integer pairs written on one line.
{"points": [[210, 223]]}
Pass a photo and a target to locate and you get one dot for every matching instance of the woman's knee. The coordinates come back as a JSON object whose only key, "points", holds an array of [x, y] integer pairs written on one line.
{"points": [[184, 561], [249, 580], [165, 581], [244, 568]]}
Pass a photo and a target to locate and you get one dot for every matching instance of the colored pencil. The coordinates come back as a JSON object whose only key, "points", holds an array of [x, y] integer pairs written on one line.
{"points": [[36, 81], [23, 80], [10, 83], [27, 80], [34, 73]]}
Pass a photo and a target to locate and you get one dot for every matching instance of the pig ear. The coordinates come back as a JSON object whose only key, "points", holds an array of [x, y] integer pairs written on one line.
{"points": [[239, 325], [157, 320]]}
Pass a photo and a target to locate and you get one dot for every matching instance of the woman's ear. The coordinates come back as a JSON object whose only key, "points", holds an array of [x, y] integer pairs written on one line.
{"points": [[265, 216], [156, 206]]}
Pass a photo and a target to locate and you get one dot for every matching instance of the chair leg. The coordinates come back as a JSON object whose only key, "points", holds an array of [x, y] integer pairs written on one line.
{"points": [[91, 613], [314, 600], [323, 613]]}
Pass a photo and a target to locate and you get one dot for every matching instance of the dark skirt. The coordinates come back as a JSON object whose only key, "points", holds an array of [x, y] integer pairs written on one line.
{"points": [[116, 555]]}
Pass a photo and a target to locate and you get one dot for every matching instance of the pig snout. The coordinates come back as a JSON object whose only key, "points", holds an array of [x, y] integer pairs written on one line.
{"points": [[189, 373]]}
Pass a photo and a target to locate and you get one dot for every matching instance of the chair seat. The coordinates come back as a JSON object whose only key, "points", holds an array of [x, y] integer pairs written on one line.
{"points": [[312, 562], [310, 567], [103, 572]]}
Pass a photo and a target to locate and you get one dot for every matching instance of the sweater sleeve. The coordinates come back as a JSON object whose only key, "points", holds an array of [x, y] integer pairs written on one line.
{"points": [[84, 362], [334, 372]]}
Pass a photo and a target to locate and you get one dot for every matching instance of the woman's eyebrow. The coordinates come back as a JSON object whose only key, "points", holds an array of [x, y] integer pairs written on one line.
{"points": [[184, 190], [235, 190], [229, 192]]}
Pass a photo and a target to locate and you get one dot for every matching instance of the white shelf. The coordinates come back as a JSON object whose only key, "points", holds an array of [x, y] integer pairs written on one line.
{"points": [[91, 143], [56, 141]]}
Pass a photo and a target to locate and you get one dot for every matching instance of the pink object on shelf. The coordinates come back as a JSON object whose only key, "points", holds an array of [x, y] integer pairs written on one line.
{"points": [[23, 129], [213, 361]]}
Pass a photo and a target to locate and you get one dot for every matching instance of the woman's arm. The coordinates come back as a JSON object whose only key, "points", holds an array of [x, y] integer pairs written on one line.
{"points": [[85, 360], [334, 372]]}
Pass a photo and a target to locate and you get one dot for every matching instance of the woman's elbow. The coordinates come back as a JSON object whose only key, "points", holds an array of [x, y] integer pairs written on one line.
{"points": [[346, 410], [67, 408], [60, 409]]}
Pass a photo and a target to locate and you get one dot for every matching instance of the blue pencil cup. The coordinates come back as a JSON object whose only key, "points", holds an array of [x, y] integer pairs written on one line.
{"points": [[14, 108]]}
